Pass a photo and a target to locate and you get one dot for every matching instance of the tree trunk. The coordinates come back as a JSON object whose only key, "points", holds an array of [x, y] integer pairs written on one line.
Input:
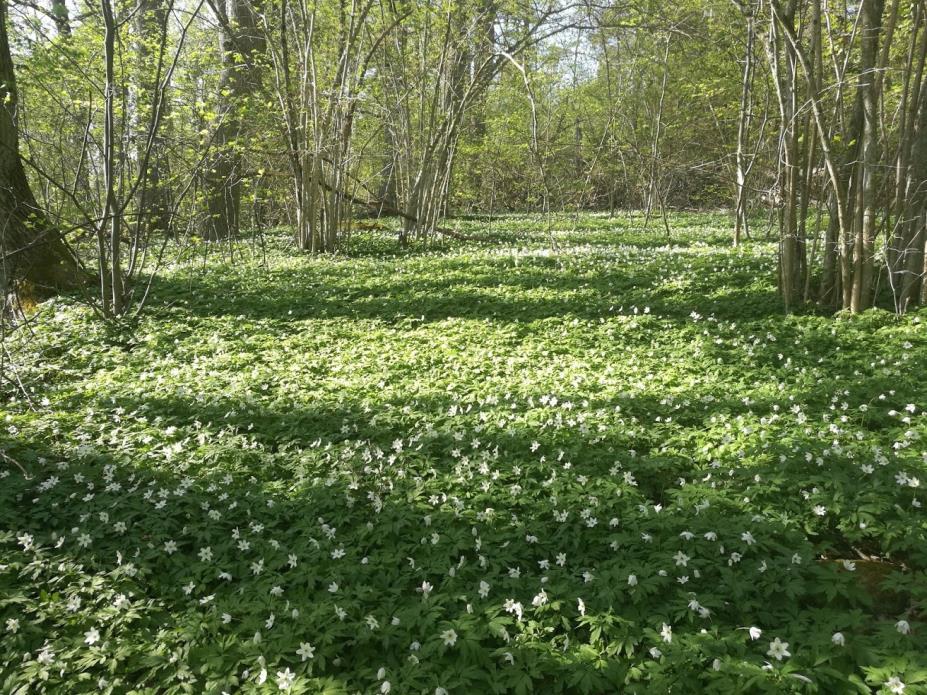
{"points": [[61, 17], [35, 261], [741, 224], [241, 43], [913, 236], [865, 218], [906, 242], [784, 63], [153, 199], [113, 297]]}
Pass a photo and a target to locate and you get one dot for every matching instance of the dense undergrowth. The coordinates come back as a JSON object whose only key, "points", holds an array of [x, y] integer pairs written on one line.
{"points": [[614, 466]]}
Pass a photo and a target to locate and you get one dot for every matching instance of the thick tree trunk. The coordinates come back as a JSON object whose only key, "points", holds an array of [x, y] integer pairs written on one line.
{"points": [[865, 219], [910, 285], [241, 43], [35, 261], [784, 62], [153, 199]]}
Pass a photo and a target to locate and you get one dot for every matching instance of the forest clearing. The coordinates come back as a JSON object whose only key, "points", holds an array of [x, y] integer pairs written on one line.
{"points": [[483, 467], [463, 346]]}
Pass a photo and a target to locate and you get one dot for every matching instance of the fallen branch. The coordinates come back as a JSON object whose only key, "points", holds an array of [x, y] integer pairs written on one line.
{"points": [[6, 457]]}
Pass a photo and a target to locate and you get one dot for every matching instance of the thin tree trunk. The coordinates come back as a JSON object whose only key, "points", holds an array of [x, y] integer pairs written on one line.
{"points": [[653, 193], [906, 242], [112, 287], [912, 257], [741, 223]]}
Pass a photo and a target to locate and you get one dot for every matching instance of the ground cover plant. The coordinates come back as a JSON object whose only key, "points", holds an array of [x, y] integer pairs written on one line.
{"points": [[610, 464]]}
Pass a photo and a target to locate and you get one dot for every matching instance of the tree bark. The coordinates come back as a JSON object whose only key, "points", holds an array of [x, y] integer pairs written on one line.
{"points": [[241, 44], [111, 289], [784, 63], [741, 224], [61, 17], [35, 260], [906, 240], [153, 200], [865, 218], [910, 285]]}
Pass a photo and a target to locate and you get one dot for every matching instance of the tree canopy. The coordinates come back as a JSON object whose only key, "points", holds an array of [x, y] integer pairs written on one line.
{"points": [[161, 119]]}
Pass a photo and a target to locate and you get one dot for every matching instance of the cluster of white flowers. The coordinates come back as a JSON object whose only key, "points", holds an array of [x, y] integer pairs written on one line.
{"points": [[550, 499]]}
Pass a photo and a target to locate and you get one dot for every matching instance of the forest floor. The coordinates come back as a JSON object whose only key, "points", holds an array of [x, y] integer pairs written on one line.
{"points": [[615, 466]]}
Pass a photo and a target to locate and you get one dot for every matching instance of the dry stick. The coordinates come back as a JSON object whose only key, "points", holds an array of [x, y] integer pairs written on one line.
{"points": [[9, 459]]}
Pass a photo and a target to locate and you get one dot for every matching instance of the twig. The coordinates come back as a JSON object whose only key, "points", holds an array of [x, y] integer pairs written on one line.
{"points": [[10, 459]]}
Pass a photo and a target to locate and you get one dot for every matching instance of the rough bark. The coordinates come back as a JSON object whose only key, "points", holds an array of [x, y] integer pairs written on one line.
{"points": [[905, 250], [866, 212], [784, 63], [241, 44], [153, 200], [35, 261]]}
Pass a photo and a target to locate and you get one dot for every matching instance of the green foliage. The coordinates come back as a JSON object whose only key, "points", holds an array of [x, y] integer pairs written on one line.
{"points": [[615, 467]]}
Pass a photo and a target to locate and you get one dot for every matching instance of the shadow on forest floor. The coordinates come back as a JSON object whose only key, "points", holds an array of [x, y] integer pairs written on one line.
{"points": [[468, 283], [248, 478]]}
